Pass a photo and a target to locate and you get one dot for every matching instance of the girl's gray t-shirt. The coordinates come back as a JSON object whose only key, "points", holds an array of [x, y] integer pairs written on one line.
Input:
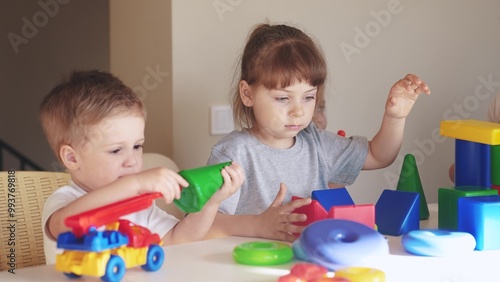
{"points": [[316, 158]]}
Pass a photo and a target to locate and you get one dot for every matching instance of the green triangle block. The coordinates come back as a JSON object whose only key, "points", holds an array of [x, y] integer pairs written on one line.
{"points": [[409, 180]]}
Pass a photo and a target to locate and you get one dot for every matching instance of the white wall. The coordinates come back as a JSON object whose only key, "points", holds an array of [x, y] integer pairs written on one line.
{"points": [[453, 45], [141, 55]]}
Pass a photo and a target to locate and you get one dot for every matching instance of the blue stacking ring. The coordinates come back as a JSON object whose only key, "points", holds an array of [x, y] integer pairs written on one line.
{"points": [[336, 243], [438, 243]]}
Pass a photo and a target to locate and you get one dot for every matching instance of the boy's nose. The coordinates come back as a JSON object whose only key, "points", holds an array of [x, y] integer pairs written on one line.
{"points": [[131, 160]]}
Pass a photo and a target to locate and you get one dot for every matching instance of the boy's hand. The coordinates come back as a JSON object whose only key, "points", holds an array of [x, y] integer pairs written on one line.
{"points": [[163, 180], [403, 95], [233, 176], [276, 221]]}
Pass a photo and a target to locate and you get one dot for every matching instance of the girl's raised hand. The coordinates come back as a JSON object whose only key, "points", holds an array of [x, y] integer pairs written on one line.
{"points": [[403, 95]]}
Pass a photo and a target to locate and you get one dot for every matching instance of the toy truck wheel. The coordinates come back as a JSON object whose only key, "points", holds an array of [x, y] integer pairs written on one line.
{"points": [[154, 259], [115, 269]]}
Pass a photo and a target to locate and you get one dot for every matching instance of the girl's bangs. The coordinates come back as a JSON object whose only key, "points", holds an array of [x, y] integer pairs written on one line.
{"points": [[280, 70]]}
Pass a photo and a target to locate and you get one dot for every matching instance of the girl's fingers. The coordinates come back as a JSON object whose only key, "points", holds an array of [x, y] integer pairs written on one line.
{"points": [[280, 197], [414, 83]]}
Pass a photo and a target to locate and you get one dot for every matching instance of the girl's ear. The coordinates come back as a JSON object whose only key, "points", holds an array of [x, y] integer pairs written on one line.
{"points": [[68, 157], [245, 93]]}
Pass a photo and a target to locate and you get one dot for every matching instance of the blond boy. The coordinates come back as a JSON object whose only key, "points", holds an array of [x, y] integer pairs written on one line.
{"points": [[95, 126]]}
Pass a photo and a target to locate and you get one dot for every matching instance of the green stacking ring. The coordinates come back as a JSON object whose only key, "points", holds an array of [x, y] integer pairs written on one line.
{"points": [[262, 253]]}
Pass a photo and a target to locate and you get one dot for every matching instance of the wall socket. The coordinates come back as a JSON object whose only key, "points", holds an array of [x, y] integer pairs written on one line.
{"points": [[221, 120]]}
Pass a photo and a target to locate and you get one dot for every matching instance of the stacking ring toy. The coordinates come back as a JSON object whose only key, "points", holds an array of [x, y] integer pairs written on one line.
{"points": [[438, 243], [298, 253], [337, 243], [262, 253]]}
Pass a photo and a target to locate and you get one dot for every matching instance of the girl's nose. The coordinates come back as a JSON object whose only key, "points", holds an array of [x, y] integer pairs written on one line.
{"points": [[297, 110]]}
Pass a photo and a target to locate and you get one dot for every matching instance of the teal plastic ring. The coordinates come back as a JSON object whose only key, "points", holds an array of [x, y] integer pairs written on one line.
{"points": [[262, 253]]}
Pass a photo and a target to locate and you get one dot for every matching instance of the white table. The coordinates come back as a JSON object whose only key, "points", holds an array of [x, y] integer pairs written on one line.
{"points": [[211, 260]]}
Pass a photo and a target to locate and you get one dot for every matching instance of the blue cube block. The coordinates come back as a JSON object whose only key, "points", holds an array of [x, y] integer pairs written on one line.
{"points": [[480, 216], [448, 203], [397, 212], [332, 197]]}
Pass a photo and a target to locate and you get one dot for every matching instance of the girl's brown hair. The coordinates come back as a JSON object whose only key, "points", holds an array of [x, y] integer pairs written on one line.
{"points": [[277, 56], [82, 100]]}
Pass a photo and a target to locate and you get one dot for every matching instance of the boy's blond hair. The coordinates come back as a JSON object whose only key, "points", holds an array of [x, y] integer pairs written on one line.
{"points": [[81, 101]]}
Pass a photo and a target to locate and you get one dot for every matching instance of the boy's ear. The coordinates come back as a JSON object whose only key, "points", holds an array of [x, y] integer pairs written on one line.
{"points": [[245, 93], [68, 157]]}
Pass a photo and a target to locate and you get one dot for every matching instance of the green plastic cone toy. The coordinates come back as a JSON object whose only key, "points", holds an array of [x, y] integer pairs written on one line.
{"points": [[409, 181], [203, 183]]}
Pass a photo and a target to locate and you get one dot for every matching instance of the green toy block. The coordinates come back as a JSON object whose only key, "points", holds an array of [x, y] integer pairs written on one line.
{"points": [[448, 203], [495, 164], [409, 181], [203, 183]]}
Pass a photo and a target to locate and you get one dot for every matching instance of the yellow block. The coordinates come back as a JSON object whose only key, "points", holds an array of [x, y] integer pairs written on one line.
{"points": [[361, 274], [472, 130]]}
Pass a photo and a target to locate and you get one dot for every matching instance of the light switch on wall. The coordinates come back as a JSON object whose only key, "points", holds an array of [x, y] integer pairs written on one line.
{"points": [[221, 120]]}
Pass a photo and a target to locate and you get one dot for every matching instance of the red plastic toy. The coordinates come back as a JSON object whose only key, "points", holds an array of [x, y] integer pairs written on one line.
{"points": [[81, 223]]}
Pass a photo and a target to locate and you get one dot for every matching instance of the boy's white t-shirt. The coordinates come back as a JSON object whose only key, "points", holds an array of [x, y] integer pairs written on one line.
{"points": [[153, 218]]}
